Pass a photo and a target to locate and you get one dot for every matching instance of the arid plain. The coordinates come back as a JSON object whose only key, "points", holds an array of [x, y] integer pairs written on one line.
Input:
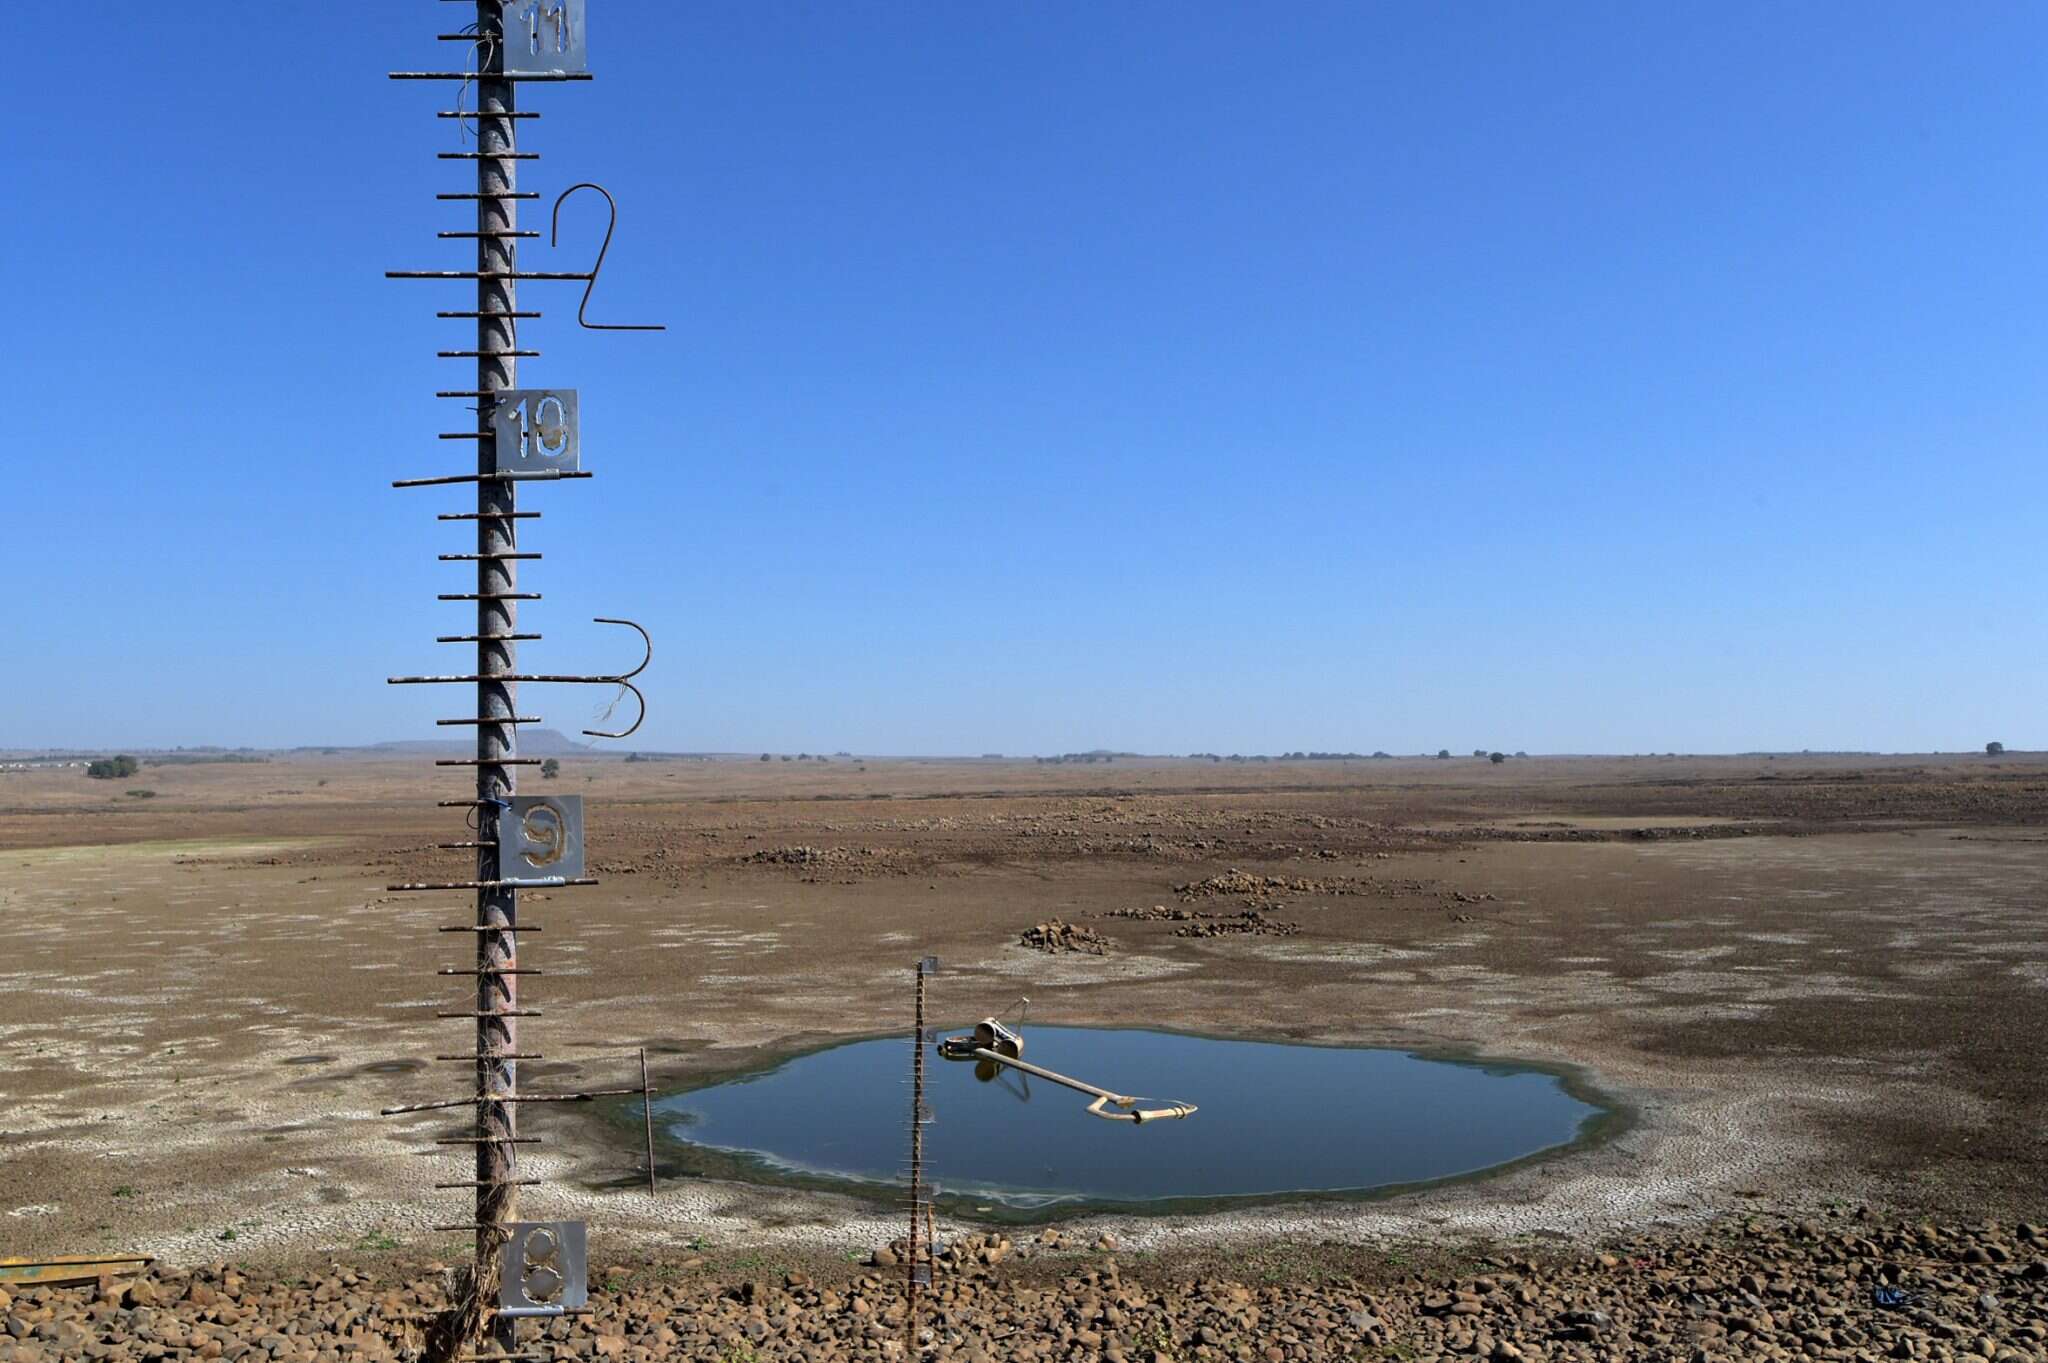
{"points": [[1814, 981]]}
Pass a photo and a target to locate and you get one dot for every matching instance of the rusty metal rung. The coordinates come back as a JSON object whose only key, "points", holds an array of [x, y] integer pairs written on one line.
{"points": [[537, 476], [487, 156], [488, 516], [493, 970], [493, 1183], [483, 113], [488, 596], [487, 761], [537, 883], [469, 76], [487, 1140], [497, 235], [476, 639], [448, 846], [487, 274], [484, 355], [485, 558], [492, 1057], [499, 194], [492, 927], [507, 720], [496, 1013]]}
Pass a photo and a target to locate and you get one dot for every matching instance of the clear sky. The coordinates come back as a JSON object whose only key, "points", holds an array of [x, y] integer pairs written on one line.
{"points": [[1048, 376]]}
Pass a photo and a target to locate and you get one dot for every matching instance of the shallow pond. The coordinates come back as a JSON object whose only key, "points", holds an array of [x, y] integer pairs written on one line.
{"points": [[1276, 1120]]}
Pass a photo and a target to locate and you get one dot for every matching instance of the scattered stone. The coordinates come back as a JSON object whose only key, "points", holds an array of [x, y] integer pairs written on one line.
{"points": [[1056, 935], [1708, 1294], [1249, 923]]}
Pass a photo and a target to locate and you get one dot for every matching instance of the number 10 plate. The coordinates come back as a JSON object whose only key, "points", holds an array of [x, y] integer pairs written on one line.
{"points": [[534, 430]]}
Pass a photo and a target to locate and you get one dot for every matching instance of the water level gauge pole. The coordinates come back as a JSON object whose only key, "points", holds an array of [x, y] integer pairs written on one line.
{"points": [[497, 621], [919, 1256]]}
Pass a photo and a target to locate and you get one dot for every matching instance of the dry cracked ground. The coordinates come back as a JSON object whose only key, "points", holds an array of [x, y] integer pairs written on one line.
{"points": [[1818, 983]]}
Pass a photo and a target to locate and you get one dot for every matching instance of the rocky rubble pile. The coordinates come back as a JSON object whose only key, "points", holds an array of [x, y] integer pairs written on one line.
{"points": [[1058, 935], [804, 855], [1250, 922], [1258, 887], [1846, 1288], [1199, 924]]}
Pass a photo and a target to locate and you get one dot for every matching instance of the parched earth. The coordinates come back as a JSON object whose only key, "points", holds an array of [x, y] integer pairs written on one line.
{"points": [[1840, 1287], [1817, 982]]}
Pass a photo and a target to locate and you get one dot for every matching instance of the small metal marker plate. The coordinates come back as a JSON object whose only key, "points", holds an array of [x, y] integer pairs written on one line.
{"points": [[541, 837], [545, 1269], [545, 36], [534, 431]]}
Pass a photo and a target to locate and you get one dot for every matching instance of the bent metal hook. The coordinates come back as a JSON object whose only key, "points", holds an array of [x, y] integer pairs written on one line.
{"points": [[623, 678], [590, 279]]}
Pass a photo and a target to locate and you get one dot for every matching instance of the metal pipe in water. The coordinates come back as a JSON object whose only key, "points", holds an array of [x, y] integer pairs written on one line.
{"points": [[1101, 1095]]}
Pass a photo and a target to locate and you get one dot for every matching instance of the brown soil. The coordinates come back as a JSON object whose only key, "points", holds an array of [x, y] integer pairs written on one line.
{"points": [[1818, 981]]}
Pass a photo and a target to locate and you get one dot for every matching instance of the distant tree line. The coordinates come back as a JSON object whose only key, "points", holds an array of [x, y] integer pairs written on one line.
{"points": [[113, 768]]}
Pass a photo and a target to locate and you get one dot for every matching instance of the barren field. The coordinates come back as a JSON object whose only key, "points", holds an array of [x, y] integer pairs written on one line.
{"points": [[1819, 983]]}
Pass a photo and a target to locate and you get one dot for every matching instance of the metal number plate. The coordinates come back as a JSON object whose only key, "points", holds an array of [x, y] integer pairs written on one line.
{"points": [[544, 36], [534, 430], [545, 1269], [541, 837]]}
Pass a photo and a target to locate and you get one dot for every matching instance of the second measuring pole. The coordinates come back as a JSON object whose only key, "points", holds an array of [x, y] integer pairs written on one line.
{"points": [[497, 621]]}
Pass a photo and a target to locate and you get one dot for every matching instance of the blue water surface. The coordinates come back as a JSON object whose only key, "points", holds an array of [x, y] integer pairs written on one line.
{"points": [[1275, 1118]]}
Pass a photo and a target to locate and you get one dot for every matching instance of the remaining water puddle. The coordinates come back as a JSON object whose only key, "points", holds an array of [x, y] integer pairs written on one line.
{"points": [[1276, 1121]]}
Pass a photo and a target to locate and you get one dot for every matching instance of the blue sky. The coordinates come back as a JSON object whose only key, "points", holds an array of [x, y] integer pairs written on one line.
{"points": [[1044, 377]]}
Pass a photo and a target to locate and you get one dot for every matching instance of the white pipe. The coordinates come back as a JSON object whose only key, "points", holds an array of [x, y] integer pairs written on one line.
{"points": [[1101, 1095]]}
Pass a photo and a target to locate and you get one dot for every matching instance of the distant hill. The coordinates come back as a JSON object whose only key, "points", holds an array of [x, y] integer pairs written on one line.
{"points": [[532, 743]]}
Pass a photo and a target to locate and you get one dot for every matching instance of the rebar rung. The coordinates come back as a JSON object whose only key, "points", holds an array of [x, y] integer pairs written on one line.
{"points": [[492, 1058], [487, 274], [468, 76], [492, 927], [493, 1183], [540, 476], [488, 516], [479, 558]]}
